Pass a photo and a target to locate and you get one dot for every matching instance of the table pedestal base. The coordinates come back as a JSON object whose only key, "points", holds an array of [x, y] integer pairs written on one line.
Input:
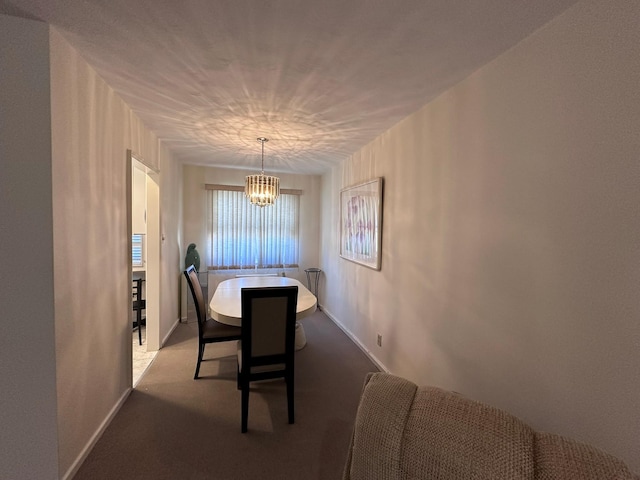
{"points": [[301, 339]]}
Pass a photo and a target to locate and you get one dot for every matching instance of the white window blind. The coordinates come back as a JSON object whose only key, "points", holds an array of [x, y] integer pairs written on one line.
{"points": [[244, 236], [137, 250]]}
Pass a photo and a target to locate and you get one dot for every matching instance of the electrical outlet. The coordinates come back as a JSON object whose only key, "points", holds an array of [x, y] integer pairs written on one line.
{"points": [[379, 340]]}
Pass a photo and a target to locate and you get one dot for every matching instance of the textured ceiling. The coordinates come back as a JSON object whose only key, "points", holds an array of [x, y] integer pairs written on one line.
{"points": [[320, 79]]}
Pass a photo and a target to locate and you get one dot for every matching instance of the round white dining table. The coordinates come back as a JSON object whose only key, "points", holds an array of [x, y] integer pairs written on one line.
{"points": [[226, 304]]}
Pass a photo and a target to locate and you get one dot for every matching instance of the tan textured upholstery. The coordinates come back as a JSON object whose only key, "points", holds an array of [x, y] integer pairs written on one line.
{"points": [[406, 432]]}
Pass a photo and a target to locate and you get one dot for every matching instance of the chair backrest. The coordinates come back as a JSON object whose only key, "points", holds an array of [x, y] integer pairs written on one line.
{"points": [[198, 297], [268, 325], [138, 301], [136, 289]]}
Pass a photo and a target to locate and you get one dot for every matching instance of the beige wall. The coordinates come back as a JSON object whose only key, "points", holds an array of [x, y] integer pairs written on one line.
{"points": [[92, 129], [27, 348], [195, 212], [510, 268], [510, 238], [170, 242]]}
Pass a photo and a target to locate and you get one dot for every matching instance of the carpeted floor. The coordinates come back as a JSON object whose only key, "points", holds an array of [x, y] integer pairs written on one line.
{"points": [[174, 427]]}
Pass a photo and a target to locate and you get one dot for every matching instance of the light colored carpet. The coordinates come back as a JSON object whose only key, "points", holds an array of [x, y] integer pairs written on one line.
{"points": [[174, 427]]}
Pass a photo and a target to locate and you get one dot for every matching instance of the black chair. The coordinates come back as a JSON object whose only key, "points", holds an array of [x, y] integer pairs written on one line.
{"points": [[268, 341], [209, 331], [139, 304]]}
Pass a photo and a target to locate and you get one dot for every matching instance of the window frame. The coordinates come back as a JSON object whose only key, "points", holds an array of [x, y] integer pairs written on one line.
{"points": [[266, 261]]}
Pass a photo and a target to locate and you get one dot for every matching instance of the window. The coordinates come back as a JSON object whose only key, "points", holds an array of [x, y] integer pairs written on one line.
{"points": [[137, 250], [244, 236]]}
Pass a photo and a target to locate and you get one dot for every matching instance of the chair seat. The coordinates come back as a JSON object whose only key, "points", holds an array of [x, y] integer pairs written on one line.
{"points": [[213, 329]]}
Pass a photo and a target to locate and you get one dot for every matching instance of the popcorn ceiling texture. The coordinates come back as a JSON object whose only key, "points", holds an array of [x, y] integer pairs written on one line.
{"points": [[319, 79]]}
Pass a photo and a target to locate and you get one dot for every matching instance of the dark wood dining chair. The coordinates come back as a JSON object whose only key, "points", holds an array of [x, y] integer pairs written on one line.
{"points": [[267, 347], [209, 331], [139, 304]]}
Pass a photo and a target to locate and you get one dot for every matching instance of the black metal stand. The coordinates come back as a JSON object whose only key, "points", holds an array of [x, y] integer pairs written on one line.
{"points": [[315, 272]]}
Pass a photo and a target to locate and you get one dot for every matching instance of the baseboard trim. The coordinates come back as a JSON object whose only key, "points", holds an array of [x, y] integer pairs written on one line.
{"points": [[166, 337], [96, 436], [355, 340]]}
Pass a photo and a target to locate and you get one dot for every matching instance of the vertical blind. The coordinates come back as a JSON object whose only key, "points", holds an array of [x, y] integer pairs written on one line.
{"points": [[245, 236]]}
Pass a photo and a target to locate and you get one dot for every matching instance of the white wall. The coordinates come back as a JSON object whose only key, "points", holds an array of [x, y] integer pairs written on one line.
{"points": [[195, 196], [27, 347], [511, 240], [170, 242], [92, 129], [138, 201]]}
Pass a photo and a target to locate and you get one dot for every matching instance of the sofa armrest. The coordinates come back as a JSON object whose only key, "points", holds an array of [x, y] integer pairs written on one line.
{"points": [[378, 431]]}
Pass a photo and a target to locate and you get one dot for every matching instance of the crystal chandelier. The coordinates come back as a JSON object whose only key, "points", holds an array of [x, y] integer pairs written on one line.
{"points": [[262, 190]]}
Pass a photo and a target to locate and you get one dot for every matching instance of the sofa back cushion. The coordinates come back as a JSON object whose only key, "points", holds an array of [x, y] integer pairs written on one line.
{"points": [[403, 431], [449, 436], [561, 458]]}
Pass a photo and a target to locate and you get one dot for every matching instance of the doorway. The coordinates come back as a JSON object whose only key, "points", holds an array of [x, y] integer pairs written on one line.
{"points": [[144, 238]]}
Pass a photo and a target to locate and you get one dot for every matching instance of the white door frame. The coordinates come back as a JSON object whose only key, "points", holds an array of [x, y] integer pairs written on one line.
{"points": [[152, 241]]}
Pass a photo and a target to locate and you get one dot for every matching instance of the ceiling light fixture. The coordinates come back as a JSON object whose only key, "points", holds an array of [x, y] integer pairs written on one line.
{"points": [[262, 190]]}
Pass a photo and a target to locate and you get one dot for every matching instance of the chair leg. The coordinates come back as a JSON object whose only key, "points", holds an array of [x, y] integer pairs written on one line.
{"points": [[290, 404], [139, 319], [245, 405], [200, 353]]}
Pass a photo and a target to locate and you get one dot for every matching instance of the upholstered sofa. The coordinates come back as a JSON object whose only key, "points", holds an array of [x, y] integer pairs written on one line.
{"points": [[403, 431]]}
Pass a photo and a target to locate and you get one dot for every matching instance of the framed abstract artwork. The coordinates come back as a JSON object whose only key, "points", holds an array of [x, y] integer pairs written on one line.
{"points": [[361, 223]]}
